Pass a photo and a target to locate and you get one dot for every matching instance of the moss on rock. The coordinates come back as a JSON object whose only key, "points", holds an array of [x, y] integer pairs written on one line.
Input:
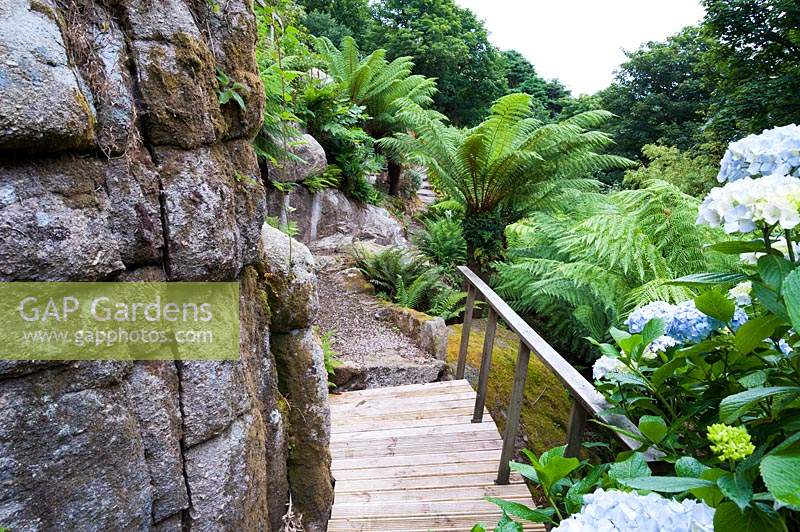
{"points": [[546, 404]]}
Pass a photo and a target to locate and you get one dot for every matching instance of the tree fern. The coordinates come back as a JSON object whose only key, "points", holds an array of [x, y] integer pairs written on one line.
{"points": [[383, 88], [507, 166], [586, 267]]}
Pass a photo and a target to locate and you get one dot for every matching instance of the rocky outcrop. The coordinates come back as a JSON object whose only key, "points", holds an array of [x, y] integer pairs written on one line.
{"points": [[117, 162], [308, 160], [429, 333], [328, 221], [303, 380]]}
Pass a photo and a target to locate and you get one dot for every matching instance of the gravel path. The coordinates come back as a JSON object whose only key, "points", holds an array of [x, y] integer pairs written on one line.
{"points": [[359, 334]]}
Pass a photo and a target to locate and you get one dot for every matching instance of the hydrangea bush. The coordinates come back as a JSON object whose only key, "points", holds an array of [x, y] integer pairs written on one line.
{"points": [[713, 383], [621, 511], [775, 151]]}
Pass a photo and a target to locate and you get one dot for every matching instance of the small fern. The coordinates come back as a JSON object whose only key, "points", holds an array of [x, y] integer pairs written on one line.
{"points": [[448, 303]]}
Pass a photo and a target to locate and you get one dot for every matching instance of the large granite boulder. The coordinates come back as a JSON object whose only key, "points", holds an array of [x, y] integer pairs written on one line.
{"points": [[290, 280], [310, 160], [45, 105], [329, 221], [303, 380]]}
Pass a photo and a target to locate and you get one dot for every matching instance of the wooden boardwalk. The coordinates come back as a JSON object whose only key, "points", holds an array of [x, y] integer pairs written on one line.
{"points": [[409, 459]]}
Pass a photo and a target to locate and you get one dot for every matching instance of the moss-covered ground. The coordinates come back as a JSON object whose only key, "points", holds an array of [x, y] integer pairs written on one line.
{"points": [[546, 405]]}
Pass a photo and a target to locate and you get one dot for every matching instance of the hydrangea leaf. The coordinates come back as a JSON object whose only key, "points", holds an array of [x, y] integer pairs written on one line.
{"points": [[652, 330], [555, 469], [709, 278], [755, 331], [757, 518], [689, 466], [770, 300], [736, 247], [534, 515], [479, 527], [773, 270], [733, 406], [710, 495], [737, 488], [716, 305], [653, 427], [781, 474], [791, 296], [525, 470], [666, 484], [634, 467], [507, 524]]}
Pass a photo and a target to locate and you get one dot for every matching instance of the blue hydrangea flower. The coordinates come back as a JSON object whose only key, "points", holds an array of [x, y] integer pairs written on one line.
{"points": [[784, 347], [739, 318], [688, 325], [773, 151], [639, 317]]}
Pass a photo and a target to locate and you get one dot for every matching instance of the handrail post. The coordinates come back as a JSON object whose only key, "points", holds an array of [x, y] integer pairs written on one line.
{"points": [[486, 365], [577, 423], [514, 409], [465, 328]]}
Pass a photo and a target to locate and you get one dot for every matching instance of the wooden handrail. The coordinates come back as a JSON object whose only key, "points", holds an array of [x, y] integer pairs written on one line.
{"points": [[586, 399]]}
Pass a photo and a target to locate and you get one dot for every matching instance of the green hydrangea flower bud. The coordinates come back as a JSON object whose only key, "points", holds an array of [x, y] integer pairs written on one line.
{"points": [[730, 443]]}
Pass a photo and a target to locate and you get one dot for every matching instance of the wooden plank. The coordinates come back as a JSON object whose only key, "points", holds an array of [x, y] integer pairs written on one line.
{"points": [[577, 424], [435, 494], [419, 449], [380, 417], [391, 402], [439, 523], [398, 390], [413, 508], [415, 462], [393, 443], [413, 483], [370, 424], [442, 471], [401, 433], [372, 394], [583, 391], [407, 460]]}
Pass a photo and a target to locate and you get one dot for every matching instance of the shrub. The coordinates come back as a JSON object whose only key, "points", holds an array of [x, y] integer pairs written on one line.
{"points": [[442, 242]]}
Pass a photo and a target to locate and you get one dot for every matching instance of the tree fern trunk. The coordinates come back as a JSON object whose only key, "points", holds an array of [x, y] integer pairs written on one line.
{"points": [[394, 169]]}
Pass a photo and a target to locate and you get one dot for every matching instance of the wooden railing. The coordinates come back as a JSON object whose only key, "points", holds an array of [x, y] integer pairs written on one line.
{"points": [[586, 400]]}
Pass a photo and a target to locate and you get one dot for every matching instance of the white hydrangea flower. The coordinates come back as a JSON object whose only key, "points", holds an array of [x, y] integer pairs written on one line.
{"points": [[779, 244], [737, 206], [605, 365], [774, 151], [618, 511], [659, 345], [741, 294]]}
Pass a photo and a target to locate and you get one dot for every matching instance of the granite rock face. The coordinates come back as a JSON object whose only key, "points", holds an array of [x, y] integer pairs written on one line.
{"points": [[118, 163], [328, 221], [312, 160]]}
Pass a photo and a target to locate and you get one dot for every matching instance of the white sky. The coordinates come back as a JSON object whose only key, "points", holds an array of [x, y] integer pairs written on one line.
{"points": [[581, 41]]}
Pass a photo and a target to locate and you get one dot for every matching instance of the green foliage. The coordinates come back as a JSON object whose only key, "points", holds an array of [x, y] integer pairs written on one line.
{"points": [[446, 42], [660, 94], [336, 19], [695, 174], [228, 89], [547, 97], [408, 279], [330, 178], [329, 354], [375, 83], [290, 228], [753, 65], [584, 268], [506, 167], [443, 243]]}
